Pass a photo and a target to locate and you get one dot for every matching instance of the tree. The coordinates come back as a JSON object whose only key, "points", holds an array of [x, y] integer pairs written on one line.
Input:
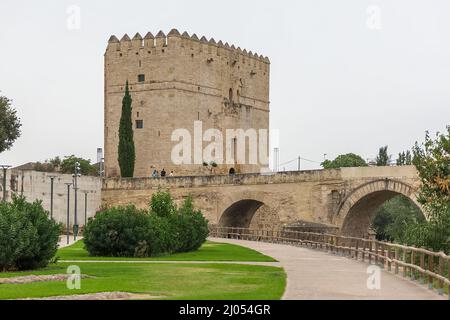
{"points": [[9, 124], [432, 161], [126, 152], [56, 161], [68, 166], [404, 159], [394, 216], [50, 165], [162, 204], [345, 161], [383, 159]]}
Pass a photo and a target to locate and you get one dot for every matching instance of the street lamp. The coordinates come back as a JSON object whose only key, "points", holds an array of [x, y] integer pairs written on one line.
{"points": [[52, 179], [68, 212], [102, 167], [85, 207], [5, 168], [75, 176]]}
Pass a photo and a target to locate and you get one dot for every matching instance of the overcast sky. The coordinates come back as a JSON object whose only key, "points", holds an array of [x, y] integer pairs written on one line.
{"points": [[346, 76]]}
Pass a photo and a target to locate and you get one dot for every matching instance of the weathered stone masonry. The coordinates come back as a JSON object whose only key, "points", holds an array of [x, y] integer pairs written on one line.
{"points": [[346, 198], [175, 80]]}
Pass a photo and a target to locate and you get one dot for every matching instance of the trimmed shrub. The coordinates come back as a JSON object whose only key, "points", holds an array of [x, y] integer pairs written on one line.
{"points": [[28, 237], [191, 227], [163, 229], [118, 232]]}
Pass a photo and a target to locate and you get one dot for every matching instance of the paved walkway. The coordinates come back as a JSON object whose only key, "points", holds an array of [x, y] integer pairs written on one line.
{"points": [[63, 241], [317, 275]]}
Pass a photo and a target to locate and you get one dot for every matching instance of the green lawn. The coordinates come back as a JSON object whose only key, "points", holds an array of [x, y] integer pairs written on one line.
{"points": [[167, 281], [190, 281], [210, 251]]}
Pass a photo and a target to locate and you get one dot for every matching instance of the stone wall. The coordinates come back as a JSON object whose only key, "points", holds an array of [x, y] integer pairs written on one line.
{"points": [[184, 79], [310, 196], [36, 186]]}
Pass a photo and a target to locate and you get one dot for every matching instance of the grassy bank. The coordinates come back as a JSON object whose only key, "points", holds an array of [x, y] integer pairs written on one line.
{"points": [[210, 251]]}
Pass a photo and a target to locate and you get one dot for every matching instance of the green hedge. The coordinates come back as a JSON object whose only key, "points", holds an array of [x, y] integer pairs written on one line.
{"points": [[28, 237], [162, 229]]}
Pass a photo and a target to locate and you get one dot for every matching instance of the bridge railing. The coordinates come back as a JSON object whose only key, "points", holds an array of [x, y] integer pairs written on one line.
{"points": [[425, 266]]}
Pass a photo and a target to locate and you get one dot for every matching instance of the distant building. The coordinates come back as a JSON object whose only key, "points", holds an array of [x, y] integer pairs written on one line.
{"points": [[34, 185]]}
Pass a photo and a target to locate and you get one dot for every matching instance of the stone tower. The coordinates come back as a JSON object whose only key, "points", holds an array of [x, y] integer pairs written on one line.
{"points": [[176, 81]]}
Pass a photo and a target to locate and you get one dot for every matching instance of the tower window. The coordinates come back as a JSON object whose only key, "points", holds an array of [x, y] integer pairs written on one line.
{"points": [[139, 124], [141, 78]]}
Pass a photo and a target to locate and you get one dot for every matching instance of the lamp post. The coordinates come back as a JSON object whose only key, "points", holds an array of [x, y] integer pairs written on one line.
{"points": [[5, 168], [85, 207], [75, 176], [52, 180], [68, 212], [102, 167]]}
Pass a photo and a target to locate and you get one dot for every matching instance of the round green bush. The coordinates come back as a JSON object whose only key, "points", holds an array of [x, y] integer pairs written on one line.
{"points": [[130, 232], [28, 237], [119, 232], [191, 228]]}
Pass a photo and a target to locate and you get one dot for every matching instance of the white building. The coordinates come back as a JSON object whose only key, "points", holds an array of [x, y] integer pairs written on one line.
{"points": [[34, 185]]}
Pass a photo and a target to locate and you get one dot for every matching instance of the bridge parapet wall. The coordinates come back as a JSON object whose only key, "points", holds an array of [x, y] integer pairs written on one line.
{"points": [[286, 198], [352, 175], [220, 180]]}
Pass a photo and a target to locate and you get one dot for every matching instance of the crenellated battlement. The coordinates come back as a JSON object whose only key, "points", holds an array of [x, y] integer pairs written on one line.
{"points": [[174, 39]]}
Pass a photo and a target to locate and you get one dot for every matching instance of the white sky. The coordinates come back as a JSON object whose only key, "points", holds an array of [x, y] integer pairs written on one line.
{"points": [[337, 86]]}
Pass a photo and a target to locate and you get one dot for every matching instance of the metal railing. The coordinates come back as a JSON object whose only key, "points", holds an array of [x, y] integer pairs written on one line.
{"points": [[418, 264]]}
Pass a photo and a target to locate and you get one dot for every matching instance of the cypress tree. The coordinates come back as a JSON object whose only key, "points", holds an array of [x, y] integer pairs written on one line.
{"points": [[126, 152], [383, 159]]}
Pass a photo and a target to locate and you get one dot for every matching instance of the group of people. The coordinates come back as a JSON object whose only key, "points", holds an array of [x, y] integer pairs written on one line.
{"points": [[162, 174]]}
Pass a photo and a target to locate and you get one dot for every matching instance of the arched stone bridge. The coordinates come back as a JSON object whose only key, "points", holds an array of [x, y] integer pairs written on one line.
{"points": [[345, 198]]}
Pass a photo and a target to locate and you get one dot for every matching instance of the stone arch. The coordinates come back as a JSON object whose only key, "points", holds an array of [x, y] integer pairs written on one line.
{"points": [[357, 211], [240, 214]]}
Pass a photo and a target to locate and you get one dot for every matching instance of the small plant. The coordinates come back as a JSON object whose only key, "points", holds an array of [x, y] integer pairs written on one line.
{"points": [[210, 166]]}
